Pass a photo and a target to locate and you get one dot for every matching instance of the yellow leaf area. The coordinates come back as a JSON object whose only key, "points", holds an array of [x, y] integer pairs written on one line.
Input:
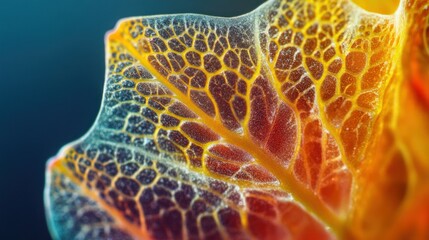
{"points": [[304, 119]]}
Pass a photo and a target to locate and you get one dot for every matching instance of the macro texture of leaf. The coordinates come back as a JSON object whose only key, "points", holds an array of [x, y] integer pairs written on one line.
{"points": [[304, 119]]}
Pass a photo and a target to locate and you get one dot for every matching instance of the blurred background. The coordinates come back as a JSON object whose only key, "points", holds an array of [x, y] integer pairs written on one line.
{"points": [[51, 81]]}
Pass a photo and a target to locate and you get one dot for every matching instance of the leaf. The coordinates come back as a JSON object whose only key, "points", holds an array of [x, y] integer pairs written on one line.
{"points": [[288, 122]]}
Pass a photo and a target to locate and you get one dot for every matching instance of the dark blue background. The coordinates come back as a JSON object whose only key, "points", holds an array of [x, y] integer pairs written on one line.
{"points": [[51, 80]]}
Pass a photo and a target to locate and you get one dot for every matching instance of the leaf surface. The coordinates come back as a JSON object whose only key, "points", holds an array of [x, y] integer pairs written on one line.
{"points": [[281, 123]]}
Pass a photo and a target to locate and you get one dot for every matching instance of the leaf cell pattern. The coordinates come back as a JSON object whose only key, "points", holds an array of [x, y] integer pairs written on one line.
{"points": [[263, 126]]}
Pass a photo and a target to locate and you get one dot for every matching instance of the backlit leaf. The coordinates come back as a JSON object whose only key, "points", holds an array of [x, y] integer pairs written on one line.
{"points": [[303, 119]]}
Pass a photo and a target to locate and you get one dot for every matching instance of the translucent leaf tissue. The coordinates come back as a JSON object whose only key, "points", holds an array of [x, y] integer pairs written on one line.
{"points": [[303, 119]]}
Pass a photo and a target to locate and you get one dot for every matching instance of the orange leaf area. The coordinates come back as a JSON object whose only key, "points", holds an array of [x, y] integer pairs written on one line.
{"points": [[304, 119]]}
